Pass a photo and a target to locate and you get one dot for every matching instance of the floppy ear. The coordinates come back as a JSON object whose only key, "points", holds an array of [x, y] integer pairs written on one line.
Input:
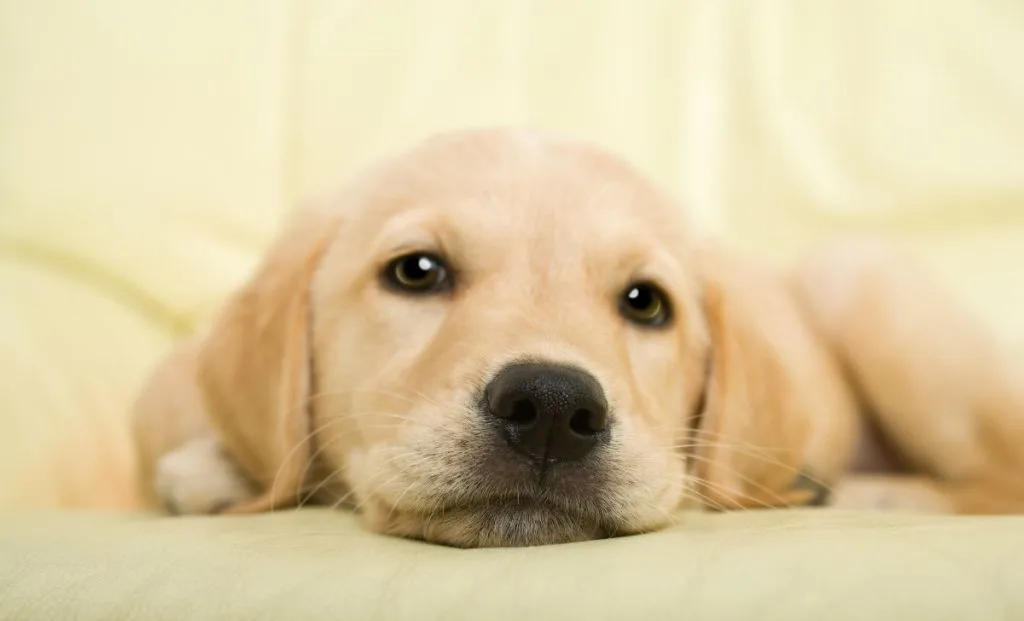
{"points": [[254, 365], [778, 419]]}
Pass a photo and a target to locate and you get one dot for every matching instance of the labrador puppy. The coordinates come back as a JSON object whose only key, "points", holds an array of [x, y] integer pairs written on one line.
{"points": [[507, 338]]}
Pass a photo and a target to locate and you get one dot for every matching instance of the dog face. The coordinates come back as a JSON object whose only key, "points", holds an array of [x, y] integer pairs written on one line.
{"points": [[498, 331], [503, 338]]}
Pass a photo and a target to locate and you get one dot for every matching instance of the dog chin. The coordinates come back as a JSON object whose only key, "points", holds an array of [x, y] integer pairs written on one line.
{"points": [[504, 523]]}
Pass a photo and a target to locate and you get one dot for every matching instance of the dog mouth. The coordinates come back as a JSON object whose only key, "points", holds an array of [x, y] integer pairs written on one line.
{"points": [[502, 521], [474, 491], [480, 508]]}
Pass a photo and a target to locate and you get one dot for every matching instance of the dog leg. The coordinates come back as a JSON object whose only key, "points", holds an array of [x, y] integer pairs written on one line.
{"points": [[890, 493], [941, 387], [198, 478], [985, 496]]}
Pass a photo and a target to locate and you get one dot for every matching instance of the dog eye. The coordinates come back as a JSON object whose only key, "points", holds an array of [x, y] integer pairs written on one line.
{"points": [[417, 273], [645, 304]]}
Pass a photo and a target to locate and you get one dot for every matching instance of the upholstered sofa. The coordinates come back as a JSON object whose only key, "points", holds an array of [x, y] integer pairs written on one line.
{"points": [[149, 149]]}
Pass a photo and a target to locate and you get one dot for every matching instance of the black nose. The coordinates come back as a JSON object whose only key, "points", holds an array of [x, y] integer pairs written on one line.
{"points": [[548, 412]]}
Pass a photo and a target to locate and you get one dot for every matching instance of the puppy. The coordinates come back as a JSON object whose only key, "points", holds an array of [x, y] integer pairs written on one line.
{"points": [[504, 338]]}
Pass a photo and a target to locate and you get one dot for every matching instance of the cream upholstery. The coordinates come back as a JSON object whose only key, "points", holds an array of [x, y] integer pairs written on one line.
{"points": [[797, 566]]}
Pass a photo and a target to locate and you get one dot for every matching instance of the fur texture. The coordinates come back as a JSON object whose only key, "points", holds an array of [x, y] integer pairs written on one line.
{"points": [[320, 383]]}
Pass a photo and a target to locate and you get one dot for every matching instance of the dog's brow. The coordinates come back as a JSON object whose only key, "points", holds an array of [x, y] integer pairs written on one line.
{"points": [[647, 262], [404, 232]]}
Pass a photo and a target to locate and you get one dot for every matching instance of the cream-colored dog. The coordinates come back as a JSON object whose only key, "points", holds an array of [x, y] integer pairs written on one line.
{"points": [[507, 338]]}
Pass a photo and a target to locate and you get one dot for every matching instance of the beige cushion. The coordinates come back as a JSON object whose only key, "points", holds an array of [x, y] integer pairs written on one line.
{"points": [[791, 565]]}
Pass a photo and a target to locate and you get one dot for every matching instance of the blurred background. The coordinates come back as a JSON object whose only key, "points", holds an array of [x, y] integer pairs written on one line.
{"points": [[149, 149]]}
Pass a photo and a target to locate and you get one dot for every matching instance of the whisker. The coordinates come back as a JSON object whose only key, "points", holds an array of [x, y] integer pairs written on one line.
{"points": [[718, 506], [288, 457], [760, 486], [754, 453], [311, 459]]}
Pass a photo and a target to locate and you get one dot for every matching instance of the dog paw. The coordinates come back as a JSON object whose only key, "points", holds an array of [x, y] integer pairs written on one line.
{"points": [[198, 478], [913, 494]]}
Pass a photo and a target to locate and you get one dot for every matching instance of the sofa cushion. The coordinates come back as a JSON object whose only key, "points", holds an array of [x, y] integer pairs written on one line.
{"points": [[319, 564]]}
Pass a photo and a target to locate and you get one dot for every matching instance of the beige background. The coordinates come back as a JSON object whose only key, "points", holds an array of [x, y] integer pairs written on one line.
{"points": [[148, 149]]}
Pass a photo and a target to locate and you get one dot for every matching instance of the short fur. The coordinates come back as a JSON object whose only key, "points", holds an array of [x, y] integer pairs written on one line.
{"points": [[317, 383]]}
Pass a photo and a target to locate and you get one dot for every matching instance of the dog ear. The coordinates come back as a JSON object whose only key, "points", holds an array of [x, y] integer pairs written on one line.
{"points": [[777, 417], [254, 365]]}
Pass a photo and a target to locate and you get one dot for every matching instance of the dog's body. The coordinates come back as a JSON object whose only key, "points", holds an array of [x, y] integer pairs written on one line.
{"points": [[504, 338]]}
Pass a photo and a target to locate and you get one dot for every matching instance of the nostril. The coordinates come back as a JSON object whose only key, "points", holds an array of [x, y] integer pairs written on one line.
{"points": [[548, 412], [522, 413], [586, 423]]}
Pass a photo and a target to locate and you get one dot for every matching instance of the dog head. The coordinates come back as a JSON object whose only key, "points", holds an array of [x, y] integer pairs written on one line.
{"points": [[497, 338]]}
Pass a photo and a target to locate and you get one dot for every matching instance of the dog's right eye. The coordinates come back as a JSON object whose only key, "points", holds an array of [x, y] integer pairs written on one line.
{"points": [[417, 273]]}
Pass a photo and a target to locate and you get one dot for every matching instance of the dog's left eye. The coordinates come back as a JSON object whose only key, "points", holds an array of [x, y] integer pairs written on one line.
{"points": [[419, 272], [645, 304]]}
